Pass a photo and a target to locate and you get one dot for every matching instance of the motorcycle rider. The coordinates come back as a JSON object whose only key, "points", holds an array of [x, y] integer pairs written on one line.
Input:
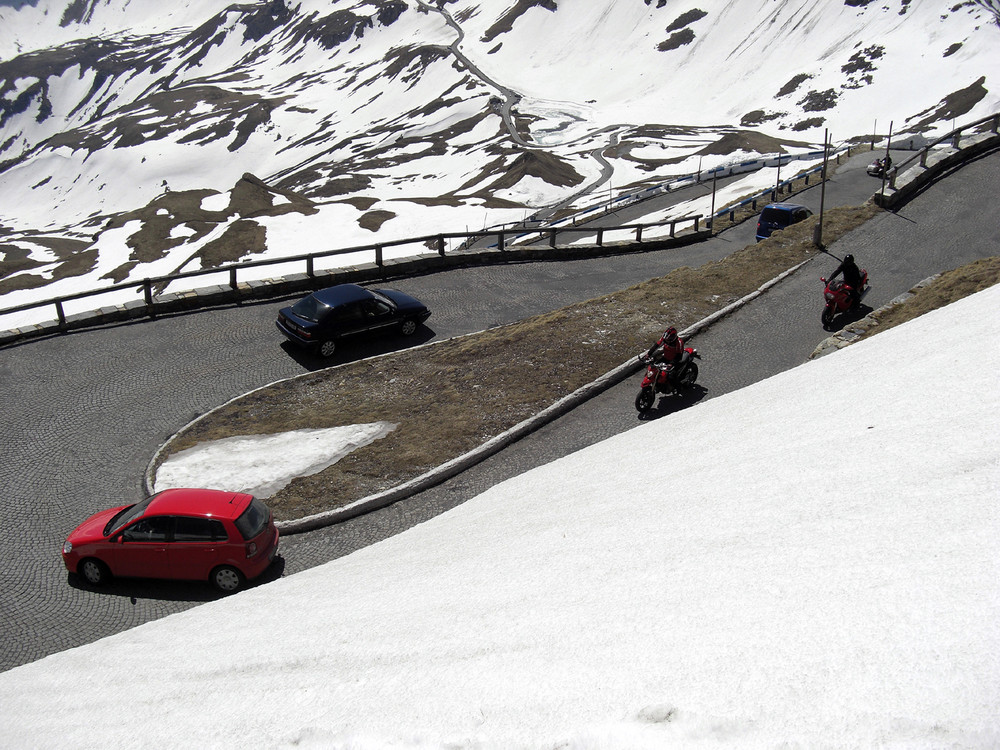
{"points": [[671, 349], [852, 277]]}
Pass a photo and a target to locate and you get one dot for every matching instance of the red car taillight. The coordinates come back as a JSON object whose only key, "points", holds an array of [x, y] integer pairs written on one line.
{"points": [[251, 549]]}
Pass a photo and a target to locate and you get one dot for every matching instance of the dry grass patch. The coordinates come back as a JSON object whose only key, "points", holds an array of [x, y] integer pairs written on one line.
{"points": [[450, 397], [950, 287]]}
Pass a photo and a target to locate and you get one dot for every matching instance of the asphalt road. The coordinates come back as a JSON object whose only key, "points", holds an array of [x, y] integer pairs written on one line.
{"points": [[83, 413]]}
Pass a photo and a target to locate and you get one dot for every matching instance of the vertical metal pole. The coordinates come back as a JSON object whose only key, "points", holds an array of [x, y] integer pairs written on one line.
{"points": [[818, 232], [888, 141], [711, 214]]}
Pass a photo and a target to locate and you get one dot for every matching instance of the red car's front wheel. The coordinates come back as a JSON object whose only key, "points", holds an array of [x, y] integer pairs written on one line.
{"points": [[94, 571]]}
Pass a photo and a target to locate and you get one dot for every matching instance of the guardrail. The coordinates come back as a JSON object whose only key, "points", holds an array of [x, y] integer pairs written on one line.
{"points": [[954, 136], [151, 288]]}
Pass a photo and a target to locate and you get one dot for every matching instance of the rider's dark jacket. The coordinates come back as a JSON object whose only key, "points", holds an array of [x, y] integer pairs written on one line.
{"points": [[852, 274]]}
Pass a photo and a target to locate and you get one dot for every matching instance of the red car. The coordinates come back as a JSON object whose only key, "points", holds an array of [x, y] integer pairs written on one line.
{"points": [[226, 538]]}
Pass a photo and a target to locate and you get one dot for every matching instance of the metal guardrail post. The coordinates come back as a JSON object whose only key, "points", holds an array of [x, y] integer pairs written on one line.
{"points": [[147, 295], [60, 314], [310, 269], [552, 238], [600, 238], [501, 240], [378, 256], [441, 245], [638, 233], [232, 278]]}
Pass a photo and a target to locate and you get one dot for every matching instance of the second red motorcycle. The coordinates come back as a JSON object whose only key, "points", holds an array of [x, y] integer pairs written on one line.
{"points": [[839, 298]]}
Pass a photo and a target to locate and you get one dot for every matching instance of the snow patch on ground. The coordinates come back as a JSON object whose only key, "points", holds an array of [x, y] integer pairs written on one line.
{"points": [[263, 464]]}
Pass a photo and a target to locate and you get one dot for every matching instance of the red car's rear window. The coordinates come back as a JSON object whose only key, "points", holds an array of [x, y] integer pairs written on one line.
{"points": [[253, 520]]}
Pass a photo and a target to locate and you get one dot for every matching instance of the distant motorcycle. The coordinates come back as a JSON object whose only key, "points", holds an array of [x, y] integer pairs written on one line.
{"points": [[839, 299], [879, 169], [663, 378]]}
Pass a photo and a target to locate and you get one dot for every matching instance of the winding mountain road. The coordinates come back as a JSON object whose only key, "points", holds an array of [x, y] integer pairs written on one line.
{"points": [[82, 413]]}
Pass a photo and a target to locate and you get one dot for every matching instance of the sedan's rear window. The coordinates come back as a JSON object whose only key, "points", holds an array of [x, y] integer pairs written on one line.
{"points": [[310, 308], [774, 215], [253, 520]]}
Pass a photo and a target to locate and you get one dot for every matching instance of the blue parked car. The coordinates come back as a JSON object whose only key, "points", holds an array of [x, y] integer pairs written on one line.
{"points": [[322, 320], [777, 216]]}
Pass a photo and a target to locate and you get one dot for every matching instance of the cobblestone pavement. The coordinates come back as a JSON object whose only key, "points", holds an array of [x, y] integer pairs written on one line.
{"points": [[82, 413]]}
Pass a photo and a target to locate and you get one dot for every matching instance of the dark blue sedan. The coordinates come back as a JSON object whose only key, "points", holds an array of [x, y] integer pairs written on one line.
{"points": [[321, 321], [777, 216]]}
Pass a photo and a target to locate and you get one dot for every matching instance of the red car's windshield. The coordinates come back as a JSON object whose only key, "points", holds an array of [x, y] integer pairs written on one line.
{"points": [[127, 515]]}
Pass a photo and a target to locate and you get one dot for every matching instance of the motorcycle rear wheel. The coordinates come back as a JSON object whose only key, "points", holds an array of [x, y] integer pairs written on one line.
{"points": [[644, 401]]}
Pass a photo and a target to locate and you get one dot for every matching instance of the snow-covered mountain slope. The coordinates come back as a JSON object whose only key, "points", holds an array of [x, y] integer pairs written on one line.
{"points": [[140, 138]]}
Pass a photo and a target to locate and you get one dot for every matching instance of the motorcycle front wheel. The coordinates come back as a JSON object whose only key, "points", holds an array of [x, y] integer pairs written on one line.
{"points": [[644, 401], [690, 375], [827, 317]]}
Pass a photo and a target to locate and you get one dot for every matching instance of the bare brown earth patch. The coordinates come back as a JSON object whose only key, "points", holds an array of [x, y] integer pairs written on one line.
{"points": [[373, 220], [450, 397], [950, 287]]}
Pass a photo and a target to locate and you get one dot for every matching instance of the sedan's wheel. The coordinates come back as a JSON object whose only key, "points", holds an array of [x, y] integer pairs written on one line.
{"points": [[327, 348], [408, 327], [644, 401], [227, 579], [94, 572]]}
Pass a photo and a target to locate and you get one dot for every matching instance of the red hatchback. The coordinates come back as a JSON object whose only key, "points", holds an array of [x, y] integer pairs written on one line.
{"points": [[226, 538]]}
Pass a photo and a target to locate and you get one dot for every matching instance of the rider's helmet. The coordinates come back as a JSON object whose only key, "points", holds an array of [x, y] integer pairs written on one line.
{"points": [[670, 336], [848, 258]]}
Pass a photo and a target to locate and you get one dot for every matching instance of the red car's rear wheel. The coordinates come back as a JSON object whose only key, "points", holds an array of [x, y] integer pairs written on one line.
{"points": [[227, 579]]}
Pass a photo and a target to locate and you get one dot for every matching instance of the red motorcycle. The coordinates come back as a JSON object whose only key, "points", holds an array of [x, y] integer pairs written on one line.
{"points": [[839, 298], [665, 377]]}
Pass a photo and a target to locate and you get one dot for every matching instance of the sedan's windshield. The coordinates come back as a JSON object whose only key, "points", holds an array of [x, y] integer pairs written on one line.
{"points": [[379, 295], [127, 515], [310, 308]]}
